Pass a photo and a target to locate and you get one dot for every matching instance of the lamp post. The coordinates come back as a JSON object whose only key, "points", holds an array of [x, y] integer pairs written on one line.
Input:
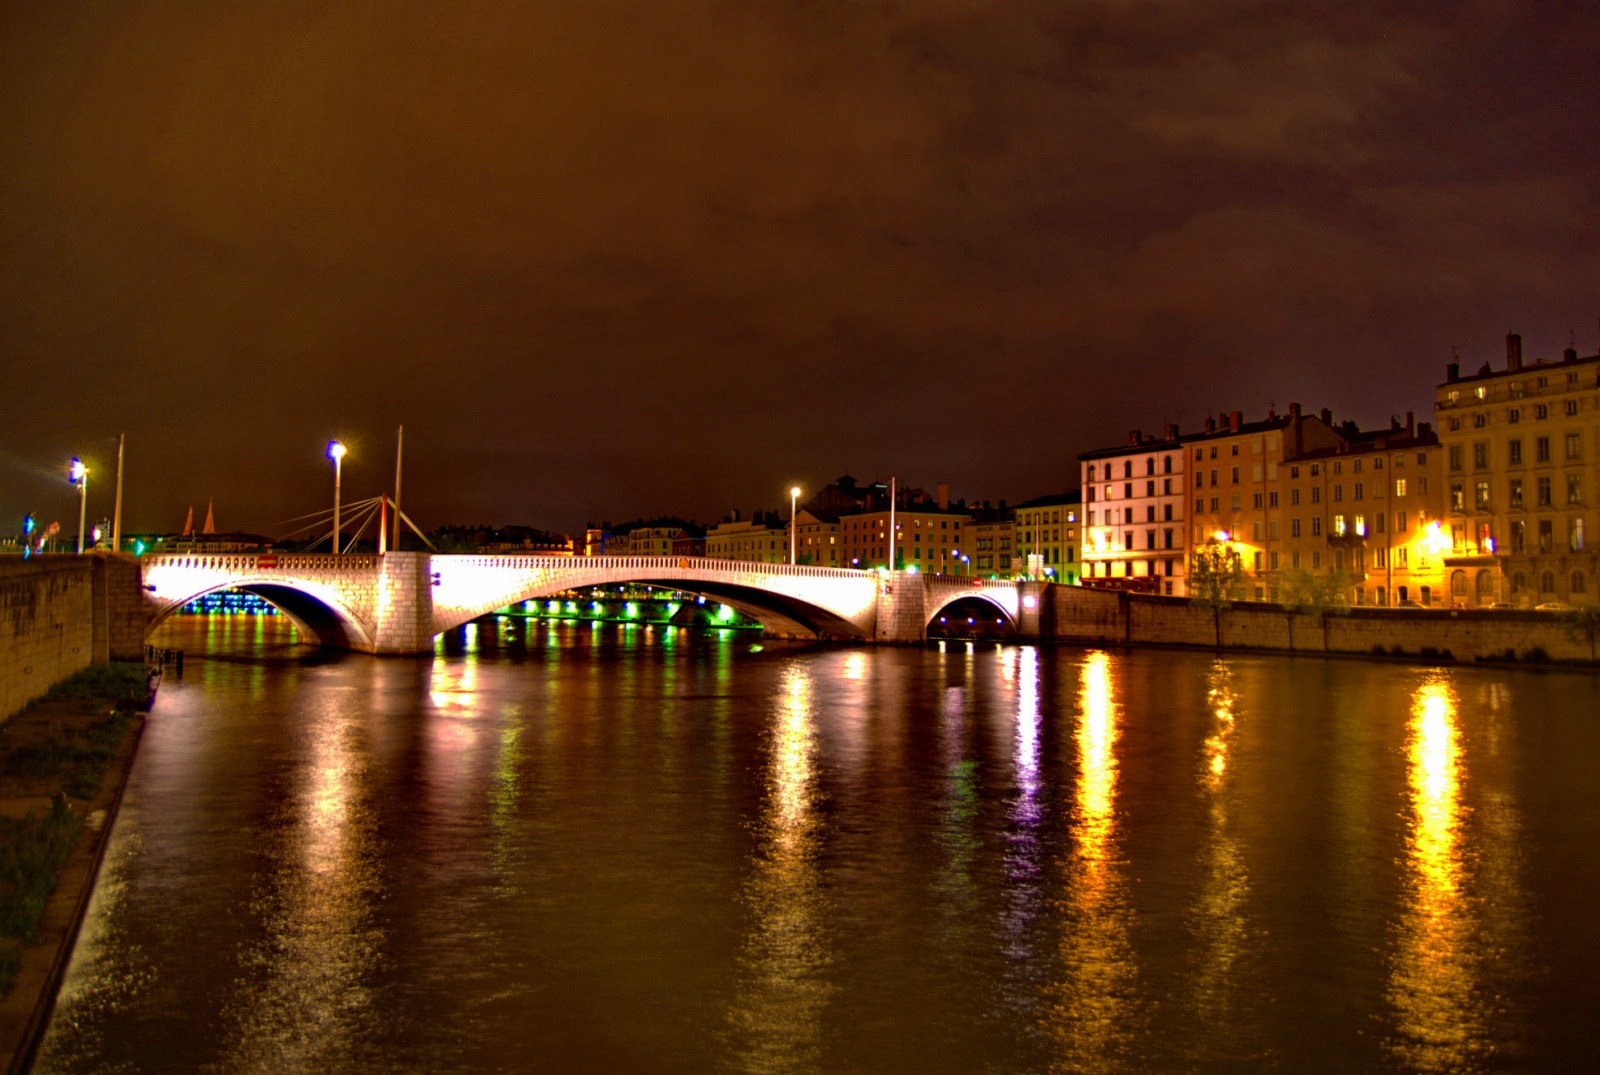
{"points": [[336, 452], [794, 502], [78, 475]]}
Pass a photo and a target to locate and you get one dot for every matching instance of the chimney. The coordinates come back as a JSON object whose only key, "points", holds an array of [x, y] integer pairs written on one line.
{"points": [[1235, 418], [1569, 355], [1294, 412], [944, 495], [1211, 424], [1134, 436], [1411, 424], [1327, 416], [1452, 372], [1513, 352], [1169, 431]]}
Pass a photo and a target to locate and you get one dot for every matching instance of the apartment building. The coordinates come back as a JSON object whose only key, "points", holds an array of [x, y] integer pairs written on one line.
{"points": [[930, 538], [1522, 468], [1133, 507], [1046, 538], [991, 536], [763, 539], [1367, 510], [817, 538]]}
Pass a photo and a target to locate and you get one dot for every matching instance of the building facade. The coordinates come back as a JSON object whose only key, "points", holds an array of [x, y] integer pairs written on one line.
{"points": [[1522, 470], [1046, 538]]}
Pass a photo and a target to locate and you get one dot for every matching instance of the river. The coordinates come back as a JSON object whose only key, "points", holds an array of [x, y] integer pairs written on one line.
{"points": [[608, 848]]}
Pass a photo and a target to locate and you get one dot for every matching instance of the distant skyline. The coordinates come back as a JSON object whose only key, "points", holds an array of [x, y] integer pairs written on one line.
{"points": [[613, 260]]}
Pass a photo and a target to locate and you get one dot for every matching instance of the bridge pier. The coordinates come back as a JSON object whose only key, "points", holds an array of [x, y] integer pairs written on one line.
{"points": [[902, 612], [403, 605]]}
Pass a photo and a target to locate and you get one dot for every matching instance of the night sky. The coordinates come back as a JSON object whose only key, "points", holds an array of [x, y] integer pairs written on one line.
{"points": [[605, 260]]}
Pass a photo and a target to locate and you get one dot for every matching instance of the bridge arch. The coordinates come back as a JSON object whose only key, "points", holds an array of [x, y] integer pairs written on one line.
{"points": [[1002, 599], [319, 610], [788, 602]]}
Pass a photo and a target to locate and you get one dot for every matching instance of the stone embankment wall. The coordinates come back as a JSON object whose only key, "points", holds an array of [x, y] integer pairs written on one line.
{"points": [[47, 625], [1079, 614]]}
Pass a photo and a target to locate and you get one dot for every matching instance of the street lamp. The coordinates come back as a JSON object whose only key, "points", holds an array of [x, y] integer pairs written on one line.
{"points": [[336, 452], [78, 475], [794, 501]]}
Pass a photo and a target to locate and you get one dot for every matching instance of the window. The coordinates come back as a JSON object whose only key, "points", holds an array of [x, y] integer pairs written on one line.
{"points": [[1294, 558], [1339, 529], [1166, 464], [1233, 502], [1516, 452], [1294, 526], [1235, 477], [1399, 487], [1316, 526], [1272, 530], [1149, 513], [1316, 559], [1316, 469], [1399, 522], [1574, 447], [1213, 503], [1571, 408], [1360, 490], [1166, 512], [1150, 465], [1458, 500], [1575, 534], [1127, 468], [1166, 486], [1256, 500], [1234, 448], [1480, 495], [1199, 505], [1541, 449], [1213, 475], [1199, 453], [1361, 526], [1574, 489], [1149, 488], [1316, 494], [1400, 557], [1272, 498], [1543, 493], [1379, 521], [1519, 532], [1294, 495], [1541, 412], [1377, 462], [1516, 492], [1294, 472], [1455, 457], [1546, 536], [1127, 490], [1477, 421], [1480, 454], [1514, 415]]}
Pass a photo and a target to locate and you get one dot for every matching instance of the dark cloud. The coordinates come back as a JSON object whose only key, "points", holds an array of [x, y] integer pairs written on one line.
{"points": [[605, 259]]}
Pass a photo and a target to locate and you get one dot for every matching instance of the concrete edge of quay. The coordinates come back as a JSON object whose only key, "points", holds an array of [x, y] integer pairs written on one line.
{"points": [[42, 963]]}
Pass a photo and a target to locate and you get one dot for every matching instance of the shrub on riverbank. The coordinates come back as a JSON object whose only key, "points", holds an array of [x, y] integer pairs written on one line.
{"points": [[57, 749], [32, 852]]}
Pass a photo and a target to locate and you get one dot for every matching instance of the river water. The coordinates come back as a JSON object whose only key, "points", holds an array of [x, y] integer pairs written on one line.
{"points": [[565, 848]]}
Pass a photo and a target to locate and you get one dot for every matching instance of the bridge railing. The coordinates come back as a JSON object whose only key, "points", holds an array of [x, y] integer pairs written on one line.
{"points": [[259, 561], [676, 563]]}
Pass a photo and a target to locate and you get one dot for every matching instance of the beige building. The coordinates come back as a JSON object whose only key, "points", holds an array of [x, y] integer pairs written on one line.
{"points": [[991, 535], [817, 538], [1046, 538], [1522, 469], [762, 540], [930, 538]]}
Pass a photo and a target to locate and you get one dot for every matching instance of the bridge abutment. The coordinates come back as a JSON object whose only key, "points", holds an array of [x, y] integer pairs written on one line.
{"points": [[403, 604], [902, 612]]}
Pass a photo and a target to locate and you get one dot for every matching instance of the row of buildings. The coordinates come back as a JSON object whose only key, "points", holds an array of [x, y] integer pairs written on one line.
{"points": [[1495, 502]]}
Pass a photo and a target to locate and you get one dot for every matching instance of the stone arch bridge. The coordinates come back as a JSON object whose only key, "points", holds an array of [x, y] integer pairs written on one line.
{"points": [[397, 602]]}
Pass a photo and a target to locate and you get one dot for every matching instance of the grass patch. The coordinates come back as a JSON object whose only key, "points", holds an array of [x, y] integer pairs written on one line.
{"points": [[32, 852], [120, 684]]}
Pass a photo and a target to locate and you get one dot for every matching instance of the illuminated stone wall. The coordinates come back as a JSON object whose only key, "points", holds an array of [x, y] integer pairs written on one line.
{"points": [[46, 625]]}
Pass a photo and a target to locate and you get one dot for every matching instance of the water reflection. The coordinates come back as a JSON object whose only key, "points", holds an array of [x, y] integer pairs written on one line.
{"points": [[311, 999], [1217, 917], [1434, 976], [1091, 1018], [782, 991]]}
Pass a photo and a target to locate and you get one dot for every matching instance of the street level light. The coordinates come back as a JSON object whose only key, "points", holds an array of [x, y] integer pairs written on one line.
{"points": [[794, 500], [78, 475], [336, 452]]}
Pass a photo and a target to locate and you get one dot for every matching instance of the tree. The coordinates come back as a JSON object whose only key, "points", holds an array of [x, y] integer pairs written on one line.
{"points": [[1583, 623], [1216, 579], [1303, 593]]}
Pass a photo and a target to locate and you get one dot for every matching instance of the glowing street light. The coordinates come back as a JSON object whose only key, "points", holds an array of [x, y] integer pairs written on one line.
{"points": [[78, 475], [336, 452], [794, 501]]}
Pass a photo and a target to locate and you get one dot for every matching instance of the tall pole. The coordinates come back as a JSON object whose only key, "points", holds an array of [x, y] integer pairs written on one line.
{"points": [[894, 539], [116, 512], [399, 450], [794, 500], [336, 452], [80, 477]]}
